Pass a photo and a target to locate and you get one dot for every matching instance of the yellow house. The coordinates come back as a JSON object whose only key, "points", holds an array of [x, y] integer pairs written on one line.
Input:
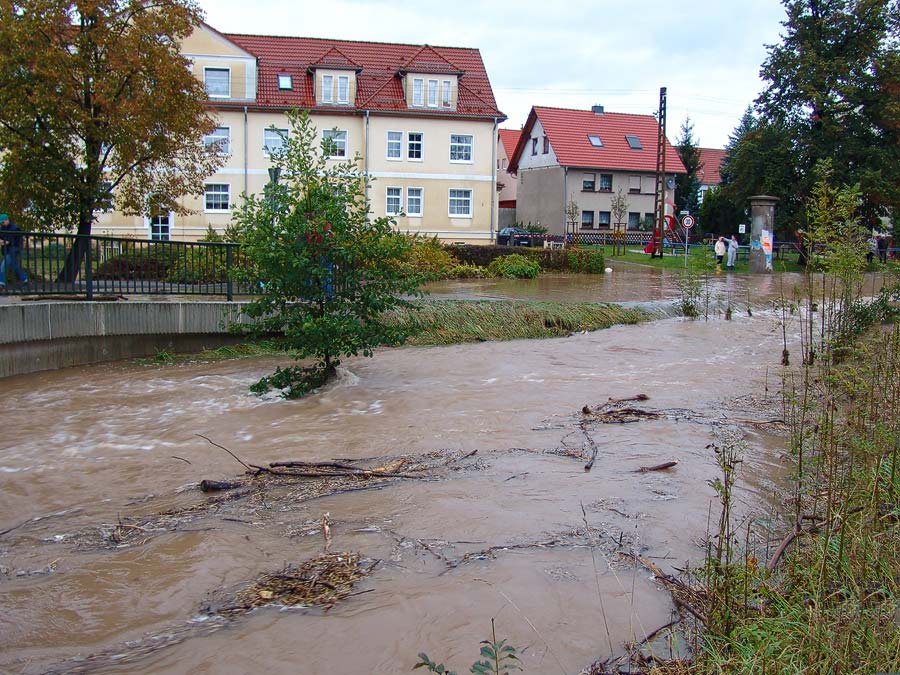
{"points": [[423, 120]]}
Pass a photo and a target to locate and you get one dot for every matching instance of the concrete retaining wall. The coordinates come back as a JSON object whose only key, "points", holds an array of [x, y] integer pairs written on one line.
{"points": [[52, 335]]}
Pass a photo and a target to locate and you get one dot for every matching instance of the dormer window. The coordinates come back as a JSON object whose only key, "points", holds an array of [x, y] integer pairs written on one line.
{"points": [[595, 140], [284, 82], [634, 142], [432, 93], [328, 89], [418, 97], [446, 93], [217, 82], [343, 89]]}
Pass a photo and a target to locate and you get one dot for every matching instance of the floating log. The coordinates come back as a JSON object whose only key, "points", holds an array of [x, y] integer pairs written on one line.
{"points": [[216, 485], [658, 467]]}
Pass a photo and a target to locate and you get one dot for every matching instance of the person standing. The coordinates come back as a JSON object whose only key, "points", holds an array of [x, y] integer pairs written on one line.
{"points": [[720, 252], [882, 248], [873, 249], [11, 236], [732, 251]]}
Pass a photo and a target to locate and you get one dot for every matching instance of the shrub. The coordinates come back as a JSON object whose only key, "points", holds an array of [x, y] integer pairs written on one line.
{"points": [[467, 271], [429, 260], [206, 264], [142, 263], [514, 266], [586, 261]]}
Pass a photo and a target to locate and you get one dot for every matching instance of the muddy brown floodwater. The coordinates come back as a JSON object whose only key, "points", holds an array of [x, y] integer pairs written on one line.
{"points": [[90, 446]]}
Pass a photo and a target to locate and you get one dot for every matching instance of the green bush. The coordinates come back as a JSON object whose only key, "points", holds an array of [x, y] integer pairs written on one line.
{"points": [[152, 264], [514, 266], [586, 261], [429, 260], [467, 271], [207, 264]]}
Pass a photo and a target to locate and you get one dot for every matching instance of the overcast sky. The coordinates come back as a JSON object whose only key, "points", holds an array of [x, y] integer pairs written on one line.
{"points": [[565, 53]]}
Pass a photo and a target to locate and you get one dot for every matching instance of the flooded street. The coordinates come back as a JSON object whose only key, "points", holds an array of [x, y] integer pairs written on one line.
{"points": [[89, 446]]}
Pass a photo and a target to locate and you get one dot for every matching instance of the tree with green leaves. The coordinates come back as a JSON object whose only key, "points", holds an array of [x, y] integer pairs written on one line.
{"points": [[833, 86], [98, 109], [687, 185], [327, 271]]}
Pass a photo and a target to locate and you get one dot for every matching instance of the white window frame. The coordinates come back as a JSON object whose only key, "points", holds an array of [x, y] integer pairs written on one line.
{"points": [[343, 81], [170, 225], [206, 194], [458, 145], [421, 157], [387, 154], [283, 135], [589, 223], [409, 211], [419, 100], [450, 199], [224, 69], [634, 184], [327, 88], [432, 93], [387, 200], [285, 82], [210, 139], [336, 139], [446, 94]]}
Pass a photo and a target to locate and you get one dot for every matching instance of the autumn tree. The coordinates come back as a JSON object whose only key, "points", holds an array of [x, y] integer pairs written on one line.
{"points": [[98, 108], [687, 185], [833, 89]]}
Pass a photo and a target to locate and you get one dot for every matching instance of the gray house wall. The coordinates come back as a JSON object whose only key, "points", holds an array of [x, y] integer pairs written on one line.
{"points": [[540, 198]]}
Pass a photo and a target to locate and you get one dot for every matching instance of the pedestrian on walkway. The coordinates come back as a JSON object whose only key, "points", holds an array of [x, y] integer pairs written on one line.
{"points": [[11, 240]]}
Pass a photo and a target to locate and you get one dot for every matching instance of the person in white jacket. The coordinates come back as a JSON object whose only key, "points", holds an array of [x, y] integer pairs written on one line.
{"points": [[720, 251]]}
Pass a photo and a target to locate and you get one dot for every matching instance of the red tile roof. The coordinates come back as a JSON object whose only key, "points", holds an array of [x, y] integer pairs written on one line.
{"points": [[509, 138], [379, 85], [568, 132], [710, 163]]}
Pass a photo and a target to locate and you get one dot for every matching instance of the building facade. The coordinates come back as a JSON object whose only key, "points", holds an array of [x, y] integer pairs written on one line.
{"points": [[586, 157], [507, 184], [422, 120]]}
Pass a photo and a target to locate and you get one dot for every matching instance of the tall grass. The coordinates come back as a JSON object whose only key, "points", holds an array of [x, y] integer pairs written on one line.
{"points": [[824, 597], [453, 321]]}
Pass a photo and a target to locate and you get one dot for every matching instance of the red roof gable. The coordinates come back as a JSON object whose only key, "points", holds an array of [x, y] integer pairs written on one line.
{"points": [[568, 131], [509, 138], [379, 85], [710, 163]]}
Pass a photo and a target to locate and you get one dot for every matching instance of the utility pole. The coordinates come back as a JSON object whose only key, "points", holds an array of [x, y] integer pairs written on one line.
{"points": [[660, 205]]}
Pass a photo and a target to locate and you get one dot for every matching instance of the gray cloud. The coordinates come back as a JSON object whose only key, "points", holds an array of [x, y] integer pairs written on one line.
{"points": [[571, 53]]}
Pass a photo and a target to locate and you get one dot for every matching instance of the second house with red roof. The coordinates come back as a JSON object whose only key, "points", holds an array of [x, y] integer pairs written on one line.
{"points": [[587, 157]]}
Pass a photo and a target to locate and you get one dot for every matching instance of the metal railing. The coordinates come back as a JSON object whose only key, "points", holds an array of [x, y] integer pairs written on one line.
{"points": [[67, 264]]}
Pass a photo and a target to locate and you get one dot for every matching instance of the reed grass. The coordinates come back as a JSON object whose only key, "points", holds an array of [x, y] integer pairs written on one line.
{"points": [[457, 321]]}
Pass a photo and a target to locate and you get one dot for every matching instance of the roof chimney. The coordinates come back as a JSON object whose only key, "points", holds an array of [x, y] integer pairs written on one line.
{"points": [[597, 109]]}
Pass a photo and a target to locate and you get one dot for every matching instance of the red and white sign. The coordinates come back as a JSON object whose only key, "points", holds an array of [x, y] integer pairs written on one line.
{"points": [[687, 222]]}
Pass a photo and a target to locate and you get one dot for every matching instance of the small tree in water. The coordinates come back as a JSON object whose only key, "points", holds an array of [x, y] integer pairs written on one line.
{"points": [[327, 271]]}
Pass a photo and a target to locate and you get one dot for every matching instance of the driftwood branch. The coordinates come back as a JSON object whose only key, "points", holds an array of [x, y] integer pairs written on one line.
{"points": [[222, 447], [216, 485], [657, 467]]}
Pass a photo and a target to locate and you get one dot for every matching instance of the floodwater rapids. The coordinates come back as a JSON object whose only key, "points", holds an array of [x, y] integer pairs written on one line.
{"points": [[92, 445]]}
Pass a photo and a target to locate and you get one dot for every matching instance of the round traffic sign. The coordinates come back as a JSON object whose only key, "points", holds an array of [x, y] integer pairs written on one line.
{"points": [[687, 222]]}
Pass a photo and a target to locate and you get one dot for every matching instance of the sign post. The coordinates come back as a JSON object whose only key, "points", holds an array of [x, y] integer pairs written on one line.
{"points": [[687, 223]]}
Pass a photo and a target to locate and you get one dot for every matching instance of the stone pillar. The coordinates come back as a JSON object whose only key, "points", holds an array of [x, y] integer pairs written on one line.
{"points": [[762, 217]]}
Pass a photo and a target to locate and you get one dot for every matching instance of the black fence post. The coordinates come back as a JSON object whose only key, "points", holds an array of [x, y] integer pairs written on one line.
{"points": [[88, 277], [228, 284]]}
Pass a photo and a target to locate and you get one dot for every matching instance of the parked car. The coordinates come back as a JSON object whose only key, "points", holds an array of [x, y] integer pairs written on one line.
{"points": [[513, 236]]}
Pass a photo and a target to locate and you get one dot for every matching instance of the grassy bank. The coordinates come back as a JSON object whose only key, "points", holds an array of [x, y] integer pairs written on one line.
{"points": [[456, 321], [819, 593], [435, 322]]}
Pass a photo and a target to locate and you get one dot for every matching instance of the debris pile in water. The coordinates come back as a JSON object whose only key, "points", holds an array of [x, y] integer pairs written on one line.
{"points": [[322, 581]]}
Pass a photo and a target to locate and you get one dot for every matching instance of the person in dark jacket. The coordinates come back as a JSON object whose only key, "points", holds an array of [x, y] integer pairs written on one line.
{"points": [[11, 240], [883, 248]]}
